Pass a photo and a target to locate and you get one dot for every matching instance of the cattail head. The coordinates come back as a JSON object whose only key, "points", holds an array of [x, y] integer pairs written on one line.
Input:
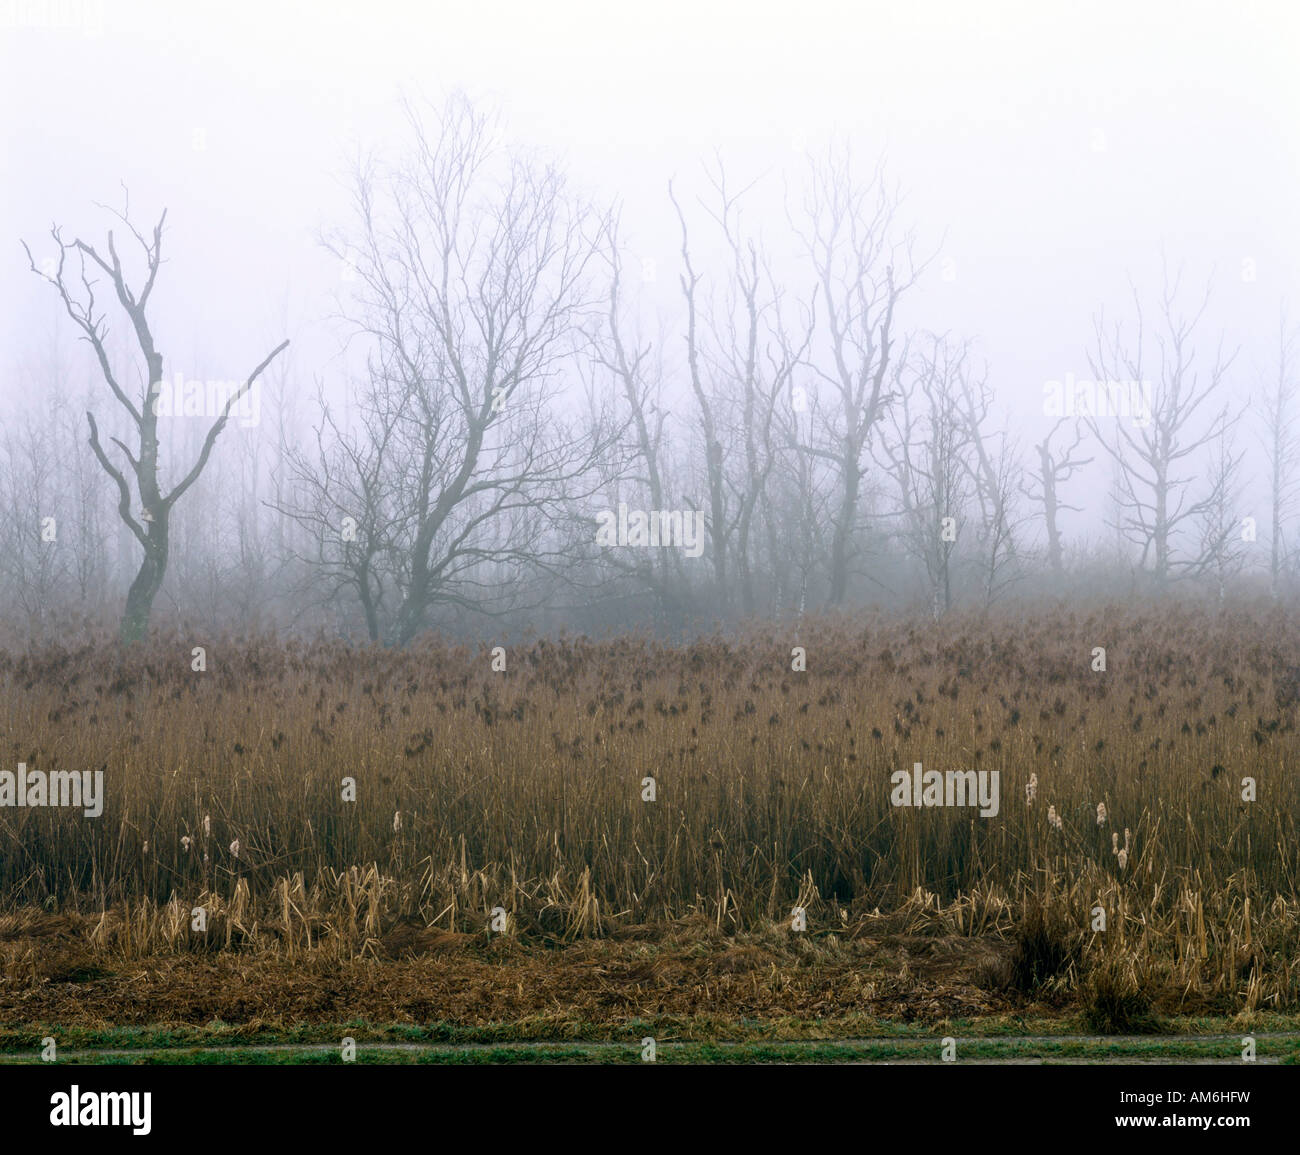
{"points": [[1123, 859], [1031, 789], [146, 847], [1101, 814], [1126, 837], [1114, 842], [186, 842], [397, 821], [207, 826], [234, 848]]}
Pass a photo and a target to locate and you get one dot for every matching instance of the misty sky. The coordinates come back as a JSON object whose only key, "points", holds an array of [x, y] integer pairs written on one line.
{"points": [[1056, 146]]}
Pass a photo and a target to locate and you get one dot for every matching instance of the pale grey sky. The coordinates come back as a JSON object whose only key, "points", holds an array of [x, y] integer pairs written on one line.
{"points": [[1057, 145]]}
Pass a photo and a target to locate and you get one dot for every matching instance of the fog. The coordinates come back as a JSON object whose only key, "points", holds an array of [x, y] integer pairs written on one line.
{"points": [[1050, 164]]}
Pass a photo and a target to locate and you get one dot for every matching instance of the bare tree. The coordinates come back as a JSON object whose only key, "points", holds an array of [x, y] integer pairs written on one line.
{"points": [[1055, 468], [472, 266], [31, 563], [760, 353], [741, 357], [151, 523], [719, 525], [925, 450], [339, 492], [618, 350], [863, 268], [995, 472], [800, 504], [1155, 498], [1281, 449], [1222, 553]]}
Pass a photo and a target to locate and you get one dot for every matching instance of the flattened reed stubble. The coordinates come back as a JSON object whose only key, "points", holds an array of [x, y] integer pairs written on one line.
{"points": [[524, 789]]}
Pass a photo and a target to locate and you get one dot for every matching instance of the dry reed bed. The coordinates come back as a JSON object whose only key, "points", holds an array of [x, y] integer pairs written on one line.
{"points": [[523, 789]]}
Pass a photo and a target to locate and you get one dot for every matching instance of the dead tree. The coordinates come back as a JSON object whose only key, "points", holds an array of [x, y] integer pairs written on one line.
{"points": [[741, 358], [150, 520], [1281, 450], [1055, 468], [719, 525], [863, 268], [472, 266], [337, 492], [994, 468], [925, 448], [1222, 554], [616, 350], [1155, 497], [758, 356]]}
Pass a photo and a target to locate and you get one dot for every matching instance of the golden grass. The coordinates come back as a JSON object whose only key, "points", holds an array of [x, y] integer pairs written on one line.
{"points": [[523, 789]]}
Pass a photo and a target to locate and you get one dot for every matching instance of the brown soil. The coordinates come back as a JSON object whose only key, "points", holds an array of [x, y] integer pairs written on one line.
{"points": [[437, 976]]}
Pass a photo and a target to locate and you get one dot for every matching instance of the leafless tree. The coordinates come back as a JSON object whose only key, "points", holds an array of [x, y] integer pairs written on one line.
{"points": [[742, 355], [31, 563], [995, 473], [800, 505], [618, 349], [472, 265], [925, 449], [1043, 486], [339, 491], [720, 525], [1281, 450], [863, 268], [151, 522], [1156, 497], [1222, 553]]}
